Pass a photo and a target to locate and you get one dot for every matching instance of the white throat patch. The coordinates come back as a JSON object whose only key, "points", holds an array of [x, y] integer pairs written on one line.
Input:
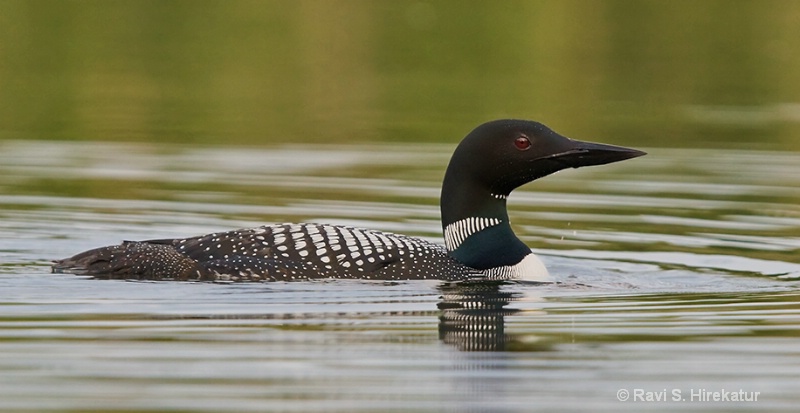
{"points": [[458, 231], [530, 268]]}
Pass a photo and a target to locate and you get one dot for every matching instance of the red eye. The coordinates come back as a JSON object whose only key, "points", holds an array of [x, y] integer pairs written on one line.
{"points": [[522, 143]]}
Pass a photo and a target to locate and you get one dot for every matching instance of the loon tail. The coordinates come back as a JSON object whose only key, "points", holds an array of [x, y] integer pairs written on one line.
{"points": [[133, 260]]}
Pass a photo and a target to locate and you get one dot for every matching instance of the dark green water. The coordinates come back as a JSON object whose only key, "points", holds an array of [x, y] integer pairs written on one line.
{"points": [[653, 73], [678, 272]]}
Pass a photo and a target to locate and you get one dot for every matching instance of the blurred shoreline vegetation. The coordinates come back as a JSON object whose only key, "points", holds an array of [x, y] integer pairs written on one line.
{"points": [[647, 73]]}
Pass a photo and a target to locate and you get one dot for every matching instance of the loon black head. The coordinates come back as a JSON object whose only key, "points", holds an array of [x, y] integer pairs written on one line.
{"points": [[487, 165]]}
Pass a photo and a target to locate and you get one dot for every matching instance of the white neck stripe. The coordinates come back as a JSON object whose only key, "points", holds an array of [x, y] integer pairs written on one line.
{"points": [[459, 231]]}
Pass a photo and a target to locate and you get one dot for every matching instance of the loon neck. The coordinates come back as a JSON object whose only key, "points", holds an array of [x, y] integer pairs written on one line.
{"points": [[476, 227]]}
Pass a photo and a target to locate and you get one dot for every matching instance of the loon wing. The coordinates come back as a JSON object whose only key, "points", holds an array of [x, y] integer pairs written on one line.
{"points": [[273, 252], [293, 251]]}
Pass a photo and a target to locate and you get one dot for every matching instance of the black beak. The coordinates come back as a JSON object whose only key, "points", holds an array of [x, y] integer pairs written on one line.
{"points": [[577, 154]]}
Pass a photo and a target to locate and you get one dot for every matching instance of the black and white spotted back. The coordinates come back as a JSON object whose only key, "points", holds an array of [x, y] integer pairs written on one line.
{"points": [[282, 252]]}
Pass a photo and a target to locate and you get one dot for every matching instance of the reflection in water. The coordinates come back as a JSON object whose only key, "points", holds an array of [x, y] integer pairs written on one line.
{"points": [[673, 269], [473, 315]]}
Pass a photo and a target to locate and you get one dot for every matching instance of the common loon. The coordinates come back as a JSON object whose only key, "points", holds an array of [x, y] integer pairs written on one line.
{"points": [[490, 162]]}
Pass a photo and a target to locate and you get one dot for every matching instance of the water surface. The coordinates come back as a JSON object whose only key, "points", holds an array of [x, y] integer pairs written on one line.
{"points": [[676, 272]]}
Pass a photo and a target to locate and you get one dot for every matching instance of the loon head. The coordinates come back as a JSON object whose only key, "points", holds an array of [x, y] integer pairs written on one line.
{"points": [[493, 160]]}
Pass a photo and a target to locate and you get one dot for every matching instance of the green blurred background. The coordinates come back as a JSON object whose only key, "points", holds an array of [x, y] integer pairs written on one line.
{"points": [[681, 73]]}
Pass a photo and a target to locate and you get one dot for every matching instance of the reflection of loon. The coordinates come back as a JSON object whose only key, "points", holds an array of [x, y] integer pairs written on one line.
{"points": [[473, 315], [487, 165]]}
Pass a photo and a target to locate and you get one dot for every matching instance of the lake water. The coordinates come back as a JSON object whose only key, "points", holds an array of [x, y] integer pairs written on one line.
{"points": [[678, 277]]}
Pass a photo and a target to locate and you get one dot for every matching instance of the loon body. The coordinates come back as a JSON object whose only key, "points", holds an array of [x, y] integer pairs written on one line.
{"points": [[490, 162]]}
